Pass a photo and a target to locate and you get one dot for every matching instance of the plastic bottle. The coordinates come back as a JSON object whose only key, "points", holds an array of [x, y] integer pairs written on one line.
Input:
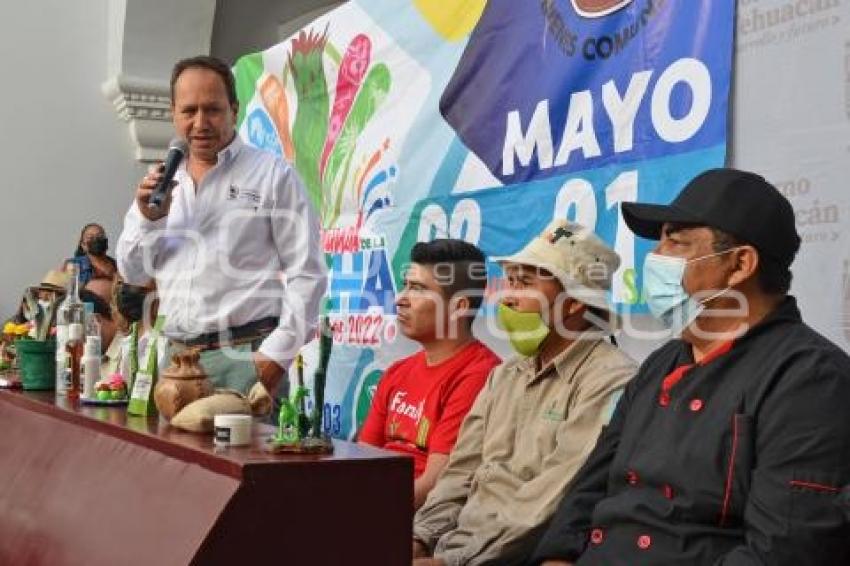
{"points": [[90, 362], [91, 366]]}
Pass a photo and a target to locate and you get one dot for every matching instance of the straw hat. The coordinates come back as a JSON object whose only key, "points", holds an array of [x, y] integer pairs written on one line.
{"points": [[54, 280]]}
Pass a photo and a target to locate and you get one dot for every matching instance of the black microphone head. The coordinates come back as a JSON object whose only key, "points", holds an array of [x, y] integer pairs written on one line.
{"points": [[178, 149], [179, 144]]}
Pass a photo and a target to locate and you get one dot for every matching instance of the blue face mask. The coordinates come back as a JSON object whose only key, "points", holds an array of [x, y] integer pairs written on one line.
{"points": [[666, 297]]}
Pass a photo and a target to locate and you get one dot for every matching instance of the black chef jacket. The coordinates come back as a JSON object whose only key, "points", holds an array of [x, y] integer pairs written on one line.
{"points": [[739, 459]]}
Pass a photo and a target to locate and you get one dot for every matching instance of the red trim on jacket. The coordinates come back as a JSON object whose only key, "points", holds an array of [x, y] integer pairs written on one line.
{"points": [[727, 492], [677, 374], [815, 486]]}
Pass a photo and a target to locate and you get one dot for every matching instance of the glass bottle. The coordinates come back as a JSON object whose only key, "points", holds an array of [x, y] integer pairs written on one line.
{"points": [[74, 319], [70, 310]]}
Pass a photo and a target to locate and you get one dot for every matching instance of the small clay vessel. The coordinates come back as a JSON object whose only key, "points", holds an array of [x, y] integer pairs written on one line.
{"points": [[182, 383]]}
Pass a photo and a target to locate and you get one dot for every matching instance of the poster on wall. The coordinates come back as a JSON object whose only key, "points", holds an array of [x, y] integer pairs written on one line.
{"points": [[444, 118], [791, 123]]}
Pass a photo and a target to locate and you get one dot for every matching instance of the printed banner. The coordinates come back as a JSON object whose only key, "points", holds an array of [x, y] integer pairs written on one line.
{"points": [[792, 125], [482, 121]]}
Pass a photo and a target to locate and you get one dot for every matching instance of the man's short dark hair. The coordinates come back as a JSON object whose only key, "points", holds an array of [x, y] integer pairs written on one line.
{"points": [[459, 268], [213, 64], [101, 307]]}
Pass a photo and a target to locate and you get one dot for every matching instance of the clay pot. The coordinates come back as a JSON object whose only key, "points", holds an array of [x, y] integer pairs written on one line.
{"points": [[182, 383]]}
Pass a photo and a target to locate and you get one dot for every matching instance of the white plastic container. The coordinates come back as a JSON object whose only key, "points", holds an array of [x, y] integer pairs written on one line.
{"points": [[90, 366], [232, 430]]}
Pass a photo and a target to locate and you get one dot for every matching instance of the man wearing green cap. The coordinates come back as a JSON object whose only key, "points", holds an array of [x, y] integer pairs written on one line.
{"points": [[539, 414]]}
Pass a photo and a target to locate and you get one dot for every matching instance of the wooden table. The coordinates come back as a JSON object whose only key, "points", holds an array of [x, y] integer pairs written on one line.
{"points": [[92, 485]]}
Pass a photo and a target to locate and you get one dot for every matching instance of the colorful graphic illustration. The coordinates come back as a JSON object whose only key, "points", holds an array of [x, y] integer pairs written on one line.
{"points": [[482, 121]]}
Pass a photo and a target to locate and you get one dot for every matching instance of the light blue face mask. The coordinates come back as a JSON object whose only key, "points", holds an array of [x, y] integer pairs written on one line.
{"points": [[666, 297]]}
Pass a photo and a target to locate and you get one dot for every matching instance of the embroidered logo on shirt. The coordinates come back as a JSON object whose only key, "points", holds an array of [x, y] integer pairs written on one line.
{"points": [[235, 193], [553, 414]]}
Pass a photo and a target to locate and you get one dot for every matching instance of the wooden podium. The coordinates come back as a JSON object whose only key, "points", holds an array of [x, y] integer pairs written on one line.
{"points": [[92, 485]]}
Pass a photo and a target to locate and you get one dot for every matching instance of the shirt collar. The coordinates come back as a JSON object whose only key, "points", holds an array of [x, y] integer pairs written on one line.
{"points": [[231, 150], [786, 311], [566, 362]]}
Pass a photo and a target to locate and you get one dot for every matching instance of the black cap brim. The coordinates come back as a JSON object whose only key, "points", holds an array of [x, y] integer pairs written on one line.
{"points": [[646, 220]]}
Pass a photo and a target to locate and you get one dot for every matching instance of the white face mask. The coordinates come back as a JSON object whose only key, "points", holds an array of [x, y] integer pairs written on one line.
{"points": [[666, 296]]}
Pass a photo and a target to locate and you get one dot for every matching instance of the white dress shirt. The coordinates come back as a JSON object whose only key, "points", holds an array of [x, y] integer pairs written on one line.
{"points": [[242, 246]]}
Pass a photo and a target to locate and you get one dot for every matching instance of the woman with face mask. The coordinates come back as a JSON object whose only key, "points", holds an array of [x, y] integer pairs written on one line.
{"points": [[90, 255]]}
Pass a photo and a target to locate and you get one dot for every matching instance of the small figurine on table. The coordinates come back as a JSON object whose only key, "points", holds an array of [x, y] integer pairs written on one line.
{"points": [[288, 423], [296, 432]]}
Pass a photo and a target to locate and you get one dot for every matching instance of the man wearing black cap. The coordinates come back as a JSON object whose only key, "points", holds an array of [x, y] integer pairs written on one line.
{"points": [[732, 444]]}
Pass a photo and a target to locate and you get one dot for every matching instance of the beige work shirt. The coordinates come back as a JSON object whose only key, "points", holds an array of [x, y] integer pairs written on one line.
{"points": [[525, 437]]}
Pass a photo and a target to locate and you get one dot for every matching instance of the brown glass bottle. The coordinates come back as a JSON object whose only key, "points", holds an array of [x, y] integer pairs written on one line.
{"points": [[74, 349]]}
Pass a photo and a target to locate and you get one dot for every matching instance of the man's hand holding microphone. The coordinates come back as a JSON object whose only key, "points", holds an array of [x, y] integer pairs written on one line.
{"points": [[153, 194]]}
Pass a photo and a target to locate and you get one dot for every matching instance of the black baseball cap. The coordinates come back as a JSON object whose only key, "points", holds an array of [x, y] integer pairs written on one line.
{"points": [[740, 203]]}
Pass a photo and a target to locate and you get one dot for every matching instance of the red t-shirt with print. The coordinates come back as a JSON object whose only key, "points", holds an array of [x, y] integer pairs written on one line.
{"points": [[418, 409]]}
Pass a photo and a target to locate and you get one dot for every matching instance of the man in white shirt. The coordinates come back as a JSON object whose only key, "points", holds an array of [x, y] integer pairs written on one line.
{"points": [[235, 248]]}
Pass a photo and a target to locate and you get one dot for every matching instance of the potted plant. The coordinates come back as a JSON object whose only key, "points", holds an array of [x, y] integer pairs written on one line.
{"points": [[36, 349]]}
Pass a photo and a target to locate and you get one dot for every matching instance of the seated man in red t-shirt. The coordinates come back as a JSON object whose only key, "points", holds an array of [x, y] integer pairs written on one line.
{"points": [[421, 400]]}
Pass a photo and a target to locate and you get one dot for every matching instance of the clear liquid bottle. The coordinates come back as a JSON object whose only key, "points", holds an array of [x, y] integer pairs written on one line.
{"points": [[63, 317], [74, 318]]}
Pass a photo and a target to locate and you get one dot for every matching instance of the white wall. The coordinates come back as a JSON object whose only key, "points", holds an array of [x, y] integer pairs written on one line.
{"points": [[65, 157]]}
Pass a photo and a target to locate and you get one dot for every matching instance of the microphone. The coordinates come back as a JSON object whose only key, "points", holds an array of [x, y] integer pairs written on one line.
{"points": [[177, 150]]}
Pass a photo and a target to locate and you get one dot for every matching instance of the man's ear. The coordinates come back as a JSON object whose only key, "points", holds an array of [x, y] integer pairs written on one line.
{"points": [[746, 264], [576, 307], [566, 309], [459, 307]]}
